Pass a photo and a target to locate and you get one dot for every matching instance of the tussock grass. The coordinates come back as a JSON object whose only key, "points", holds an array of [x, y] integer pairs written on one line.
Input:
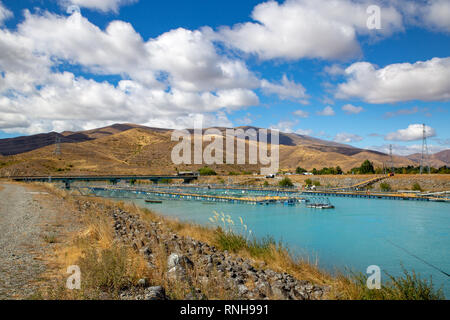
{"points": [[409, 286], [107, 266], [109, 270], [50, 238]]}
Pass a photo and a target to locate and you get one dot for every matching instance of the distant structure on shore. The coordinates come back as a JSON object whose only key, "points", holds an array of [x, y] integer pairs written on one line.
{"points": [[424, 159], [57, 150]]}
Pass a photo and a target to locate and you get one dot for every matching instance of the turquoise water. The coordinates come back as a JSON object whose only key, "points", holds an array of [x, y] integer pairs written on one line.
{"points": [[355, 235]]}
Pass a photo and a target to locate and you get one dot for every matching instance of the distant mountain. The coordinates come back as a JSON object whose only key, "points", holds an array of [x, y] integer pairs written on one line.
{"points": [[444, 156], [436, 160], [135, 149], [13, 146]]}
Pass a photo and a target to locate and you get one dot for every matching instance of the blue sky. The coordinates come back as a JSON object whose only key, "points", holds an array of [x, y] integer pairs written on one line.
{"points": [[266, 64]]}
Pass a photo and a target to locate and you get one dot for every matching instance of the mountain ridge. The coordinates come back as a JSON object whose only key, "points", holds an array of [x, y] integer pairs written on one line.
{"points": [[129, 148]]}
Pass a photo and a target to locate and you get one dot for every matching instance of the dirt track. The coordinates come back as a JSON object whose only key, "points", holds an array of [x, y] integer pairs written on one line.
{"points": [[29, 226]]}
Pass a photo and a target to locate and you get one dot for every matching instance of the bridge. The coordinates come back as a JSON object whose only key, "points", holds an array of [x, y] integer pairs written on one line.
{"points": [[114, 179]]}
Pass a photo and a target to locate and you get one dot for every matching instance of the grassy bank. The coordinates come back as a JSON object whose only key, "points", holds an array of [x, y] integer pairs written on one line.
{"points": [[110, 266]]}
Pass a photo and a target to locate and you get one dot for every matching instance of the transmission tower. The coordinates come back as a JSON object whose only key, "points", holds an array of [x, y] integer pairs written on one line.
{"points": [[57, 150], [424, 159], [391, 159]]}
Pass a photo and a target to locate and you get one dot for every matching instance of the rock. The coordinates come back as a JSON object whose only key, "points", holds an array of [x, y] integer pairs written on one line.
{"points": [[155, 293], [143, 283], [279, 291], [145, 251], [242, 289], [177, 265], [196, 294], [173, 260]]}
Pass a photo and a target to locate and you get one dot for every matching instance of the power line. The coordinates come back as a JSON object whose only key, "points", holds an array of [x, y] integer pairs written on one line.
{"points": [[419, 258]]}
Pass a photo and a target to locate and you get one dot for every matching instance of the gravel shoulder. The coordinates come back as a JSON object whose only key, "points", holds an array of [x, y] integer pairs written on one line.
{"points": [[31, 222]]}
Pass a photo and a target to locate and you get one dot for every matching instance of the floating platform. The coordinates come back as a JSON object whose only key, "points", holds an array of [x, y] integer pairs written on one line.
{"points": [[370, 195], [118, 192], [153, 201]]}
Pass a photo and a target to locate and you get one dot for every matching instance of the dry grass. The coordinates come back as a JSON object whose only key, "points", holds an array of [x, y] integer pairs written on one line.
{"points": [[107, 266]]}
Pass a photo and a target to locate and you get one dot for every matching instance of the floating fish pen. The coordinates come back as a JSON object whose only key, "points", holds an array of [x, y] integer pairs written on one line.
{"points": [[149, 194], [372, 195], [320, 203]]}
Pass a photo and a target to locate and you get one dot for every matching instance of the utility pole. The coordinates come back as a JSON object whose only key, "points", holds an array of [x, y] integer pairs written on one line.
{"points": [[424, 159], [57, 150]]}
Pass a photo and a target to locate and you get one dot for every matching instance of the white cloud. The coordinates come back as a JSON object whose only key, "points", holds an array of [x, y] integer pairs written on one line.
{"points": [[117, 50], [401, 112], [426, 81], [406, 150], [327, 111], [351, 109], [245, 120], [301, 113], [432, 14], [413, 132], [437, 15], [187, 58], [304, 132], [193, 63], [286, 90], [4, 13], [307, 29], [100, 5], [284, 126], [167, 80], [344, 137], [334, 70], [12, 120]]}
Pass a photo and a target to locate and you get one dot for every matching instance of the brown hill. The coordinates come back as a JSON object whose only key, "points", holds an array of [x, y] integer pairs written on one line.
{"points": [[443, 156], [437, 160], [134, 149]]}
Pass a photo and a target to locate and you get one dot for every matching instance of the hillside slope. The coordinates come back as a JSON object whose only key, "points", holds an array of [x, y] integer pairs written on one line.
{"points": [[134, 149]]}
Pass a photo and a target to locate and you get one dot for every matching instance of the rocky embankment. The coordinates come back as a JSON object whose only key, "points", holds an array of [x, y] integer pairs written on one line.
{"points": [[200, 266]]}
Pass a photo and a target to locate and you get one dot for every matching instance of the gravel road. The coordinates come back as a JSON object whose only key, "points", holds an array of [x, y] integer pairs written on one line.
{"points": [[26, 217]]}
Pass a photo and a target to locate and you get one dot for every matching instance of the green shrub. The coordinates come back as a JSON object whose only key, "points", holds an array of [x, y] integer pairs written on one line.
{"points": [[206, 171], [230, 241], [266, 184], [286, 182], [316, 183], [233, 242], [366, 167], [406, 287], [416, 187], [385, 186], [300, 170], [308, 182]]}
